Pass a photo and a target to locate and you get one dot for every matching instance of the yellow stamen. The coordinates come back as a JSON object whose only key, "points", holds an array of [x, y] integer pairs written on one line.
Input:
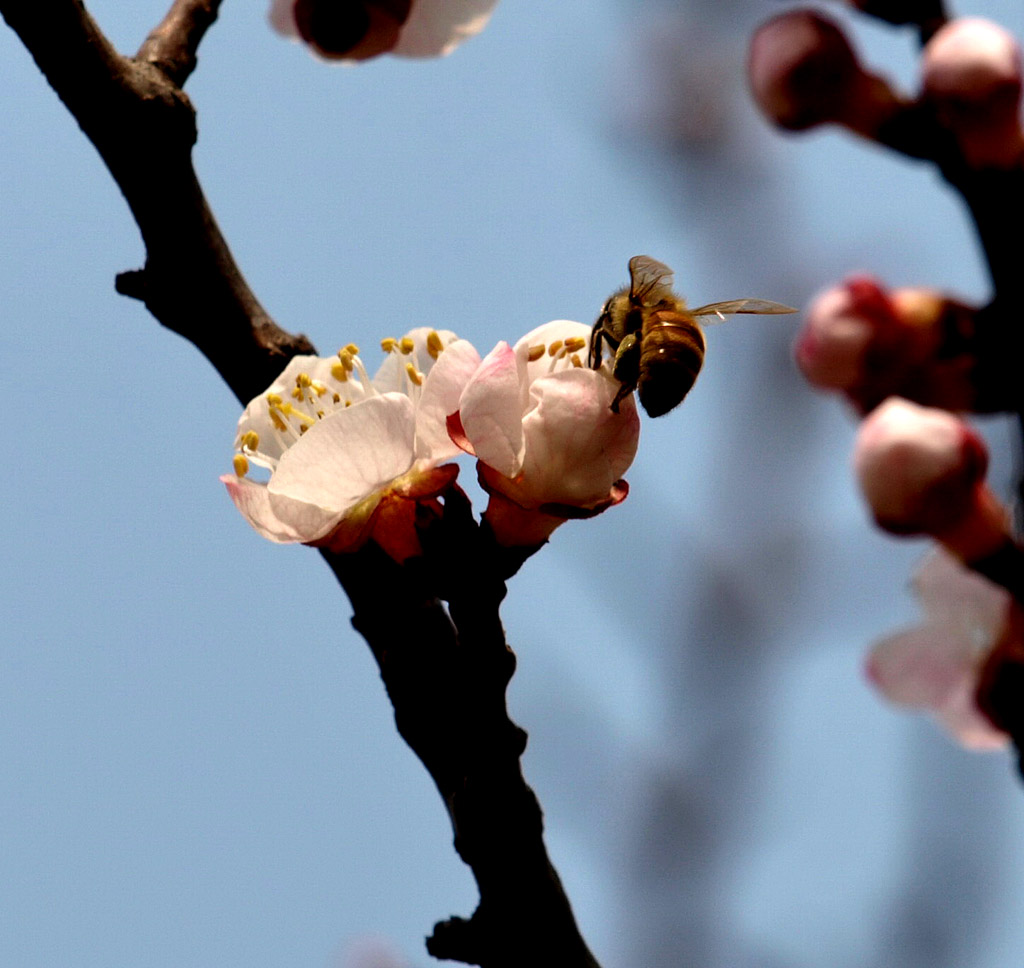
{"points": [[351, 349], [241, 465], [574, 344], [406, 346], [348, 403], [346, 360], [337, 398], [414, 374], [304, 418], [275, 419], [536, 352], [303, 429], [296, 393], [250, 440], [320, 414], [319, 388], [339, 373], [554, 347], [303, 380], [274, 400], [576, 361], [389, 344], [434, 344]]}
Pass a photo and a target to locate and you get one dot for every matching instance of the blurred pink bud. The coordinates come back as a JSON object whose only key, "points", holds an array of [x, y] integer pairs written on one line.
{"points": [[922, 472], [971, 73], [356, 30], [803, 72], [869, 344]]}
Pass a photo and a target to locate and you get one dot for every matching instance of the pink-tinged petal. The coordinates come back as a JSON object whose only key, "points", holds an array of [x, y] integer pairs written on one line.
{"points": [[491, 411], [923, 666], [441, 395], [968, 725], [832, 347], [348, 455], [436, 27], [251, 498], [576, 447]]}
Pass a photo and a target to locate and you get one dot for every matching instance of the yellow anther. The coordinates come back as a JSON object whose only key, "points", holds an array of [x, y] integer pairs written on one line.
{"points": [[406, 346], [297, 393], [576, 361], [554, 347], [319, 388], [348, 403], [339, 373], [337, 398], [536, 352], [346, 360], [303, 380], [250, 440], [389, 344], [274, 400], [434, 344], [304, 418], [241, 465], [414, 374], [275, 419], [574, 344], [303, 429], [351, 349]]}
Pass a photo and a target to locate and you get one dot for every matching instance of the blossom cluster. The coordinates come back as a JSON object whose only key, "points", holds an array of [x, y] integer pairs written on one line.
{"points": [[912, 361], [349, 456]]}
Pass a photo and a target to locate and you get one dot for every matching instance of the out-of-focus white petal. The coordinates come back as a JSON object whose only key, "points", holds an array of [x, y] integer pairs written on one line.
{"points": [[953, 594], [967, 724], [436, 27], [441, 394], [491, 411], [348, 455], [923, 666]]}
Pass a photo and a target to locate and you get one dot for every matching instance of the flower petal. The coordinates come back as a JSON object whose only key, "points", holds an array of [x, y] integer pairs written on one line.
{"points": [[392, 374], [436, 27], [491, 411], [923, 666], [441, 394], [576, 447], [305, 523], [346, 456]]}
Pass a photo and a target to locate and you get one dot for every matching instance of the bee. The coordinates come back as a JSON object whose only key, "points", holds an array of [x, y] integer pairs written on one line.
{"points": [[658, 343]]}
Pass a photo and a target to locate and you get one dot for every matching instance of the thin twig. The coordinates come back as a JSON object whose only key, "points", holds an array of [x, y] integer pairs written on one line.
{"points": [[173, 43]]}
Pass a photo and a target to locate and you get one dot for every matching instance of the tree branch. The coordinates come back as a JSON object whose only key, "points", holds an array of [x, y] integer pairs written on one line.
{"points": [[144, 128], [446, 676], [172, 44]]}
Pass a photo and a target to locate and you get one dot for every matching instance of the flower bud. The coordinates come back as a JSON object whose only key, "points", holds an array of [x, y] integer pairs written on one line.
{"points": [[971, 74], [870, 344], [922, 472], [803, 73]]}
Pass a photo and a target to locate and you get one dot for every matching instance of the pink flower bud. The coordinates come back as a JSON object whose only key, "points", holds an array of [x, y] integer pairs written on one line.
{"points": [[922, 472], [869, 344], [971, 73], [803, 73]]}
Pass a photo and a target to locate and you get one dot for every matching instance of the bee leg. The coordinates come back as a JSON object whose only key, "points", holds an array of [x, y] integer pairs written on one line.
{"points": [[626, 368], [597, 335]]}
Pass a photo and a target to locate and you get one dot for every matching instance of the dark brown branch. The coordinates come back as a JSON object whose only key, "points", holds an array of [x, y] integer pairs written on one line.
{"points": [[144, 127], [172, 44], [446, 676]]}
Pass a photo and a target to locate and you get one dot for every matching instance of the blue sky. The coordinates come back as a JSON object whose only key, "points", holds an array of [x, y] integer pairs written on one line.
{"points": [[198, 761]]}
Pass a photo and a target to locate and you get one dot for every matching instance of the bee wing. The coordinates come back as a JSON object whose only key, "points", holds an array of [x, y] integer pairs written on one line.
{"points": [[646, 276], [761, 307]]}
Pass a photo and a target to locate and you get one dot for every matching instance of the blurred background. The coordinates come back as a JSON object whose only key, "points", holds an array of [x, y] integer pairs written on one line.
{"points": [[197, 760]]}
